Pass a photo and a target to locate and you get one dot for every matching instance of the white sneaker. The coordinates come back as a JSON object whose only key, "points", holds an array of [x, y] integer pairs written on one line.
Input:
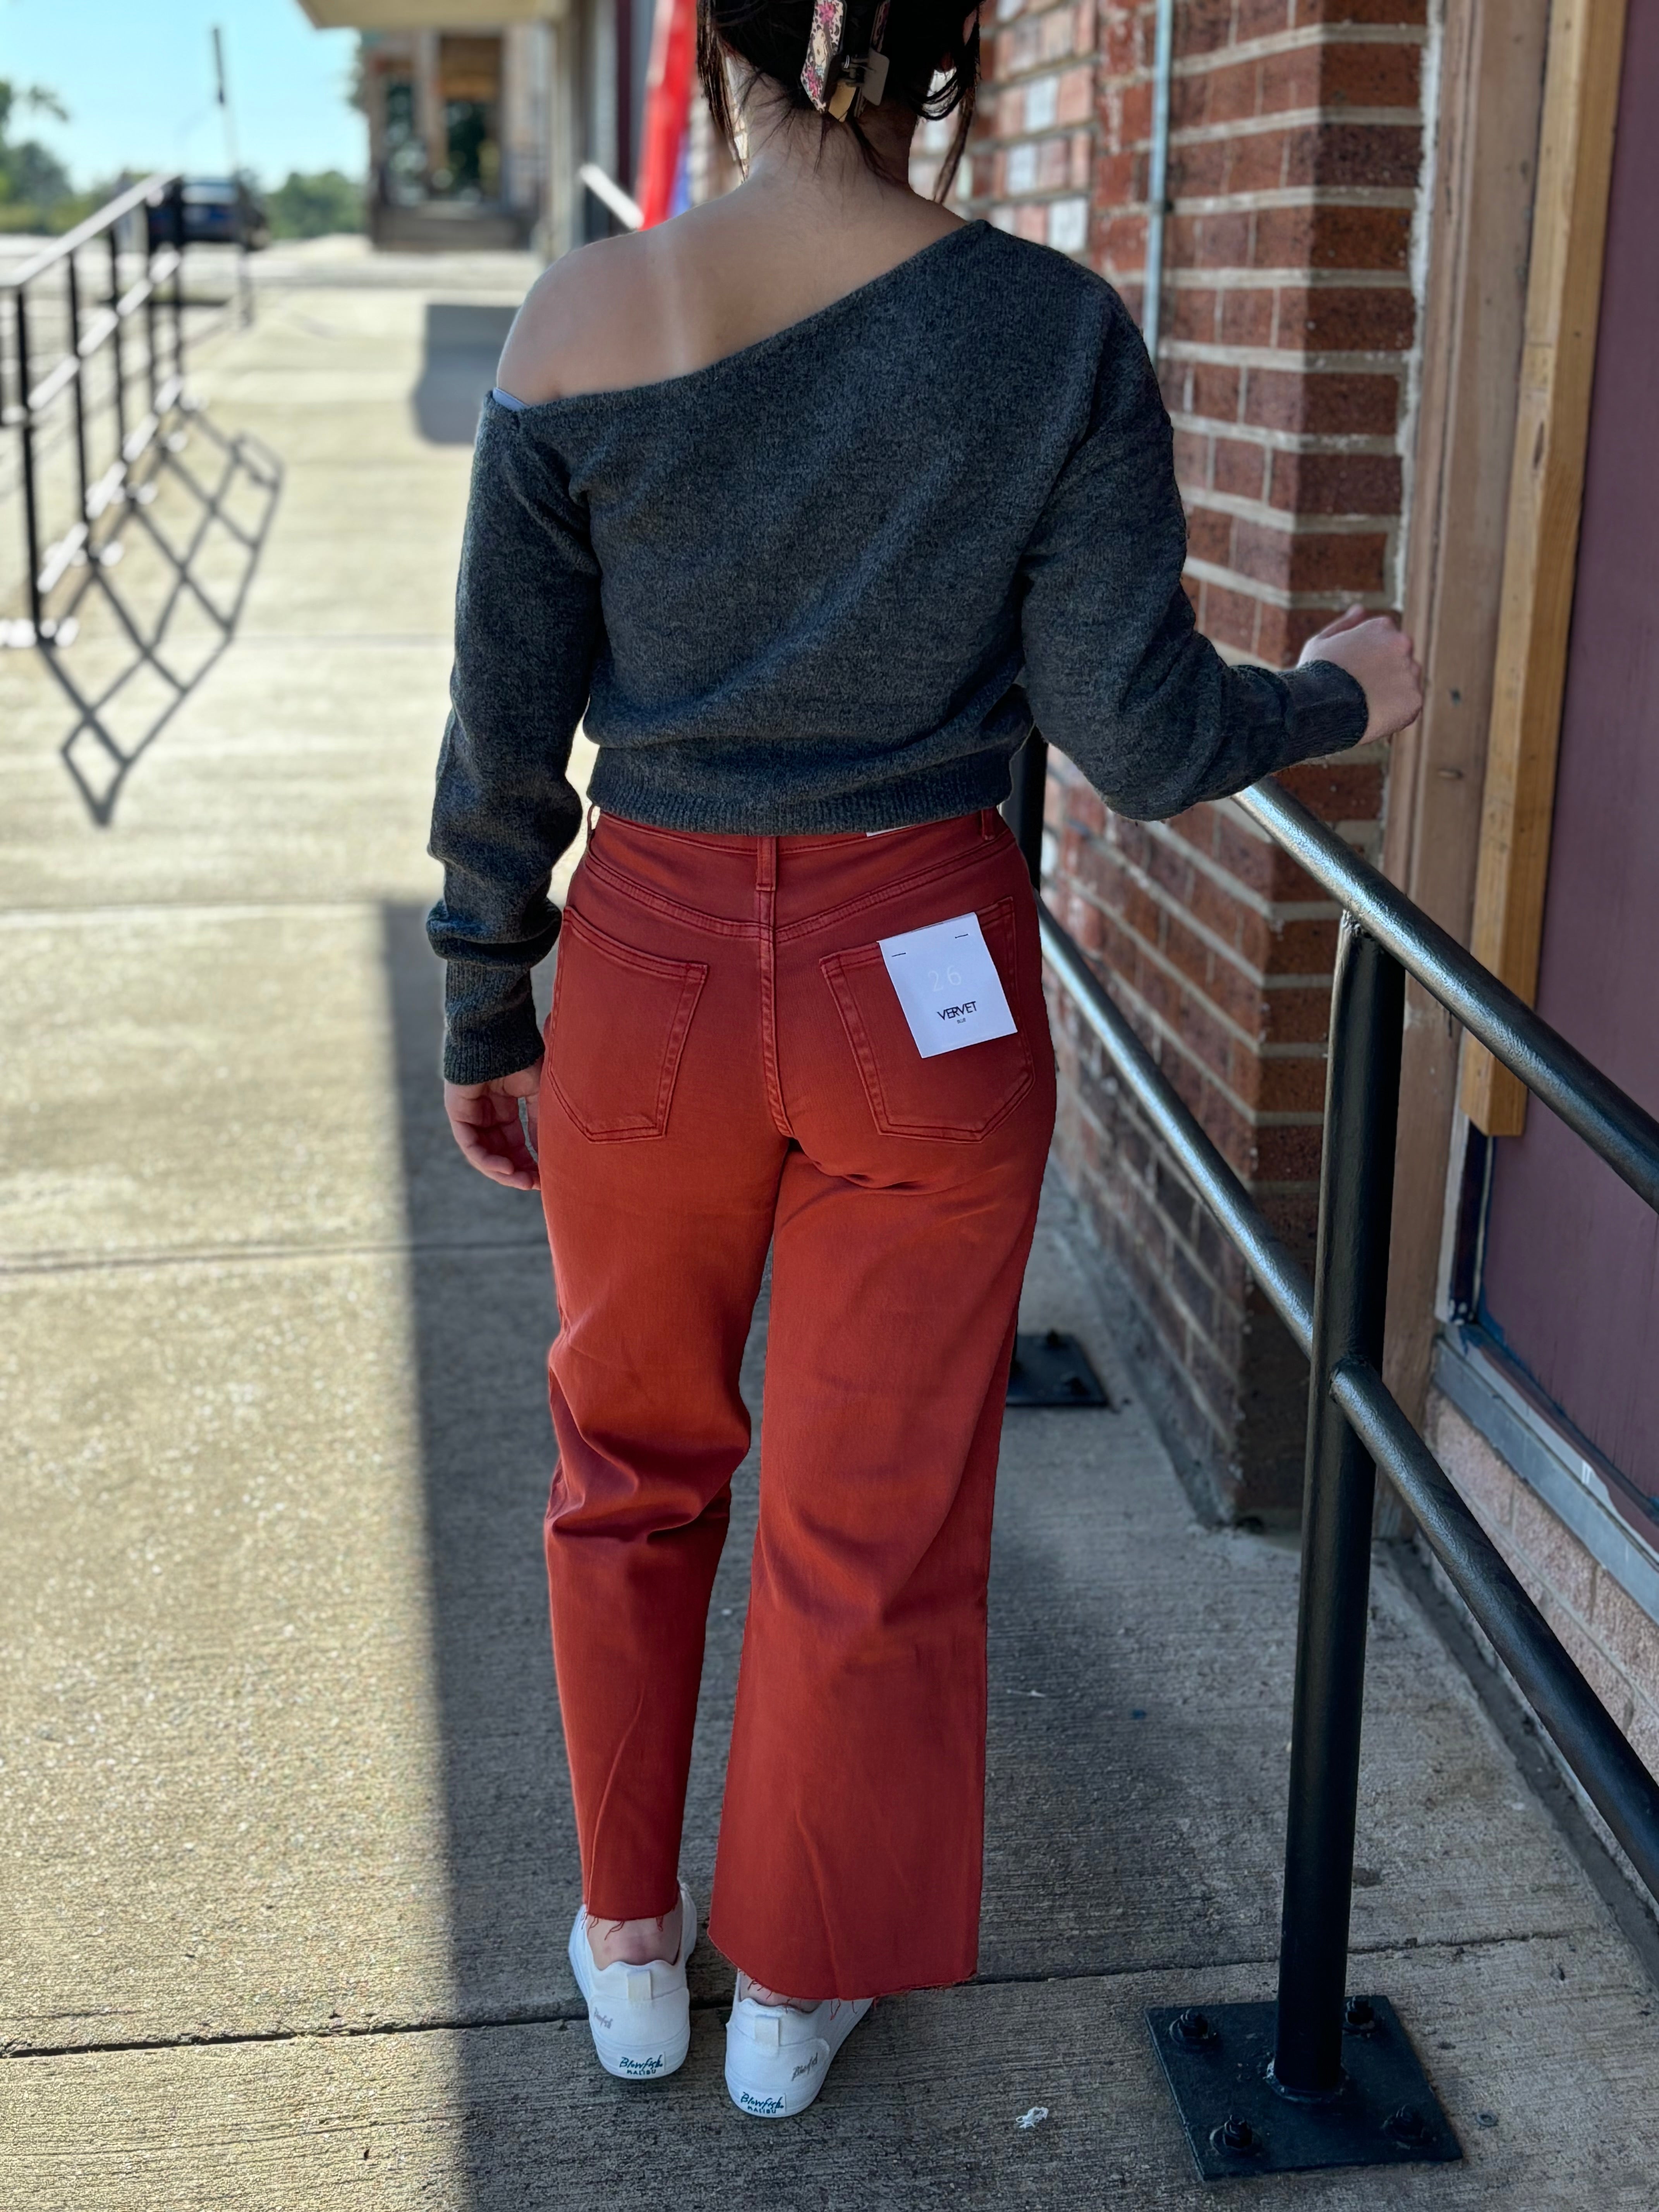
{"points": [[639, 2016], [776, 2057]]}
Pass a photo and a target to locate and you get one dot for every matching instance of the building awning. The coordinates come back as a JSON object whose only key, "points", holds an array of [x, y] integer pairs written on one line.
{"points": [[429, 15]]}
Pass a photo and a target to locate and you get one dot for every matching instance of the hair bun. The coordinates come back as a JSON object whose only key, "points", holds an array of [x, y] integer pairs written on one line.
{"points": [[813, 53], [836, 83]]}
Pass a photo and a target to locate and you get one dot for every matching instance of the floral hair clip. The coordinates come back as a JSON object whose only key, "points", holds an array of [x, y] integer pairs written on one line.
{"points": [[836, 84]]}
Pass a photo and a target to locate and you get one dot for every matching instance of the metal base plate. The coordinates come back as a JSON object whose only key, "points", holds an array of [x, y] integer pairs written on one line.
{"points": [[1215, 2062], [1053, 1370]]}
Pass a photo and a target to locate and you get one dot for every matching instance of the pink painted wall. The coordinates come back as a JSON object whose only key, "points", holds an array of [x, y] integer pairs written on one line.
{"points": [[1572, 1268]]}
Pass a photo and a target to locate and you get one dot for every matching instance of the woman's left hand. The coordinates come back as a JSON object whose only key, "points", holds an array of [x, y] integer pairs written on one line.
{"points": [[1379, 656], [484, 1118]]}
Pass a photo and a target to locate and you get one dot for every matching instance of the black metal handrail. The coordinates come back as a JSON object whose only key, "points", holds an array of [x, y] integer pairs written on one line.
{"points": [[141, 391], [1624, 1134], [109, 446], [1355, 1426], [146, 193]]}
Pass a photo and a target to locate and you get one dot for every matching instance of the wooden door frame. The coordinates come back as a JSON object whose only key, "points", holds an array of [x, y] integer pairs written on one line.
{"points": [[1517, 227], [1546, 491], [1479, 216]]}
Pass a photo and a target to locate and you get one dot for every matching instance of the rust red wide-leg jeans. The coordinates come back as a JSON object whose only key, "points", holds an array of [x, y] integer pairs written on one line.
{"points": [[728, 1071]]}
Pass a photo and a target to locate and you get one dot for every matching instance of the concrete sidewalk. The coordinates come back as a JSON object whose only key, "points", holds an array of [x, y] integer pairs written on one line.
{"points": [[287, 1857]]}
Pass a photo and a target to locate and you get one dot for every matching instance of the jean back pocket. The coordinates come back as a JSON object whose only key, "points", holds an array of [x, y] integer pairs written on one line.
{"points": [[956, 1097], [618, 1026]]}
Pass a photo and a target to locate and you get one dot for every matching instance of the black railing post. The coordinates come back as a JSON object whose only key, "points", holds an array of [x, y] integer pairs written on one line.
{"points": [[1320, 2078], [117, 358], [1049, 1366], [72, 301], [176, 202], [152, 365], [26, 454], [1356, 1194], [1022, 809]]}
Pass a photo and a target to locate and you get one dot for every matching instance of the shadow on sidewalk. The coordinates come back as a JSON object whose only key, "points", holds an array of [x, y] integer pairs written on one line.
{"points": [[481, 1302], [481, 1297], [157, 597], [463, 342]]}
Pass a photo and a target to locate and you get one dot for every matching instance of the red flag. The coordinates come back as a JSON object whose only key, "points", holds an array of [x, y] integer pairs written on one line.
{"points": [[667, 105]]}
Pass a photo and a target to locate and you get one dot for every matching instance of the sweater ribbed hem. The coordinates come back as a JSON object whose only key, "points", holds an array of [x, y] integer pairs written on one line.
{"points": [[1328, 712], [489, 1023], [633, 785]]}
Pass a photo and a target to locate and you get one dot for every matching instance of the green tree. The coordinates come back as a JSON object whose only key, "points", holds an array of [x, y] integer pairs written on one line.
{"points": [[34, 186], [316, 205]]}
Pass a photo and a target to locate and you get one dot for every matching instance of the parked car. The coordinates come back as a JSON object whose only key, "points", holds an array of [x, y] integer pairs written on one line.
{"points": [[217, 211]]}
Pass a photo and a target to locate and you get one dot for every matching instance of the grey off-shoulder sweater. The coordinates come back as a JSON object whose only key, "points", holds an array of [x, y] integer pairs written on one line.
{"points": [[828, 583]]}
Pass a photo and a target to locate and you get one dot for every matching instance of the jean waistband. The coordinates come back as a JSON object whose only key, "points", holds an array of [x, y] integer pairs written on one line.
{"points": [[986, 819], [715, 879]]}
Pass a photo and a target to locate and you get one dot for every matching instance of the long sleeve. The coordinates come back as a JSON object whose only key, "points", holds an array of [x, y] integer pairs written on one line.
{"points": [[1115, 671], [527, 628]]}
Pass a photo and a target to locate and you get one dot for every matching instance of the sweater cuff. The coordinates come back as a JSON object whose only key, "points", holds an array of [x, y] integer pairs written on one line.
{"points": [[1328, 710], [489, 1023]]}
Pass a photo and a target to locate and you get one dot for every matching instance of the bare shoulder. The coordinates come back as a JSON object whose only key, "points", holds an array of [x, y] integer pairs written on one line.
{"points": [[660, 303], [572, 333]]}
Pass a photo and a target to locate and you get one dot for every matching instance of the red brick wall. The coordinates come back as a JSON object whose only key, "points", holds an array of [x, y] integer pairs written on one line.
{"points": [[1613, 1641], [1289, 320]]}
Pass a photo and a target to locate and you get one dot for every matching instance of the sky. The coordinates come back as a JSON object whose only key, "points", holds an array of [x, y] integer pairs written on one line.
{"points": [[136, 77]]}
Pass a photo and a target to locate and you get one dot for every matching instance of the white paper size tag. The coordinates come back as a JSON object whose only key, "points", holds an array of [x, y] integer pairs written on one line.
{"points": [[948, 985]]}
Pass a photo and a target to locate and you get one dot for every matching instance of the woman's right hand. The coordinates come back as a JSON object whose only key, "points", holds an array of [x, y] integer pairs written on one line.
{"points": [[484, 1118], [1377, 653]]}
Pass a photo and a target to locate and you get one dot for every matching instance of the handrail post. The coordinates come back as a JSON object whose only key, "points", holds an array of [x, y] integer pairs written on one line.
{"points": [[1023, 809], [26, 454], [1356, 1194], [176, 201], [117, 357], [1049, 1366], [152, 366], [1322, 2078], [72, 299]]}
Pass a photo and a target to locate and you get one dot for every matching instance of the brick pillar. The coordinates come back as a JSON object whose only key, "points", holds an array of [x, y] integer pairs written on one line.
{"points": [[1289, 321], [1035, 144]]}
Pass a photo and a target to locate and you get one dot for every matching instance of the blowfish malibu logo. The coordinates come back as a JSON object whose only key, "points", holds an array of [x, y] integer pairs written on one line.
{"points": [[641, 2065], [752, 2104]]}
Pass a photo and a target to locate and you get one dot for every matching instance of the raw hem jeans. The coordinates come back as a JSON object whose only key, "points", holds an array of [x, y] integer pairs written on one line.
{"points": [[729, 1071]]}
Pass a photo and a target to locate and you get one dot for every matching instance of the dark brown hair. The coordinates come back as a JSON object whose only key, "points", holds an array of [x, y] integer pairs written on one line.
{"points": [[932, 68]]}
